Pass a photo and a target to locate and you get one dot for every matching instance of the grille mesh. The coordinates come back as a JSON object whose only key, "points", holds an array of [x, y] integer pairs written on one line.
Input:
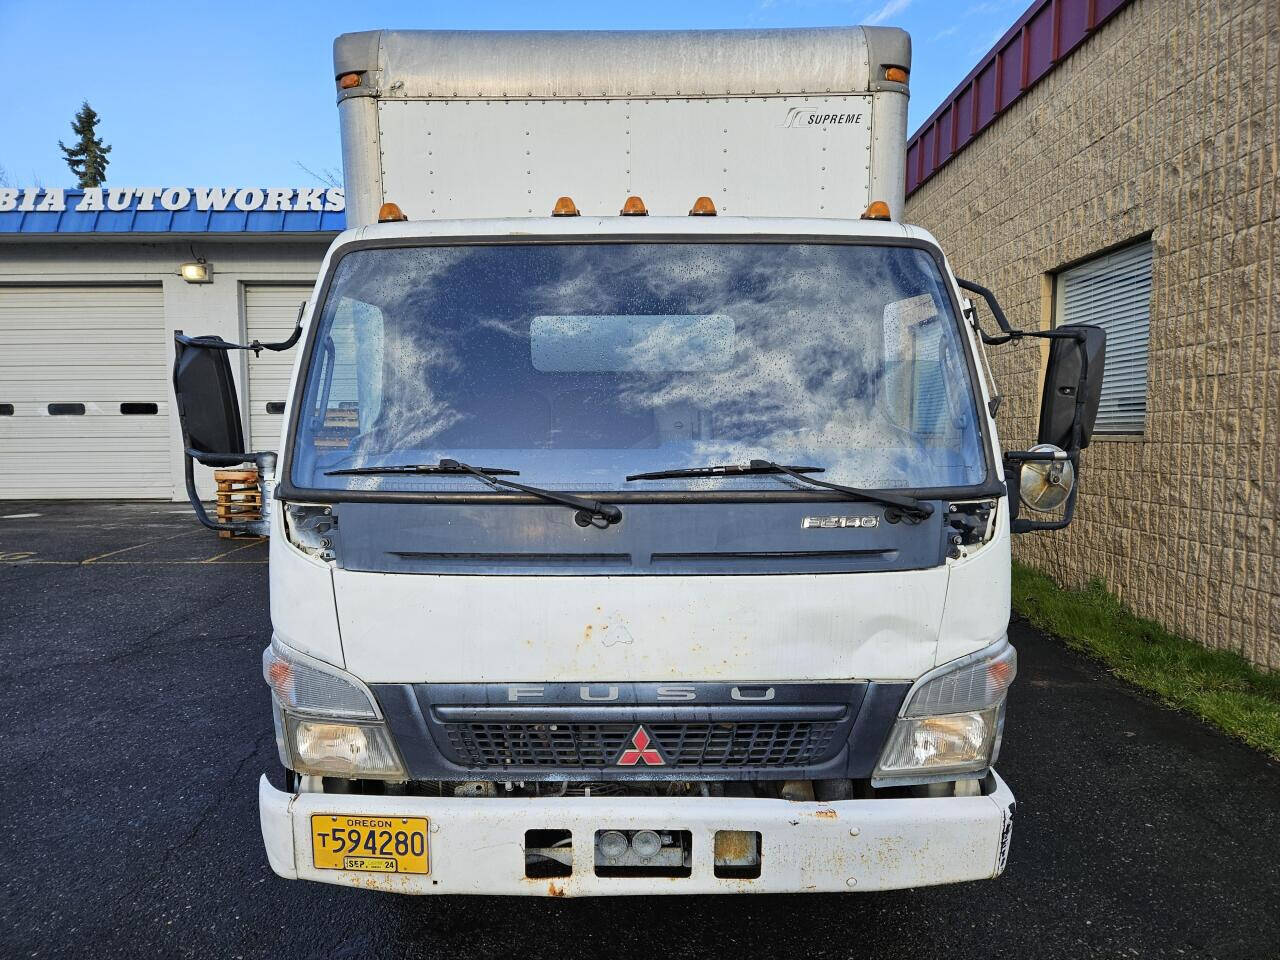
{"points": [[756, 744]]}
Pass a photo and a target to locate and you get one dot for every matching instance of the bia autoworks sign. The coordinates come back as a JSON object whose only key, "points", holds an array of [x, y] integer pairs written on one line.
{"points": [[219, 199]]}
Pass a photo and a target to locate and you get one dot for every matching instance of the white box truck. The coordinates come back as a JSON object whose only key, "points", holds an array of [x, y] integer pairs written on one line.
{"points": [[639, 523]]}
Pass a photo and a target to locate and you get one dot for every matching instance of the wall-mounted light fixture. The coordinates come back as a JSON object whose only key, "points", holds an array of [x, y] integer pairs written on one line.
{"points": [[197, 271]]}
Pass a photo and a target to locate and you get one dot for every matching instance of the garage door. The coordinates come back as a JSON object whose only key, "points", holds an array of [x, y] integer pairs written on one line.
{"points": [[270, 313], [84, 392]]}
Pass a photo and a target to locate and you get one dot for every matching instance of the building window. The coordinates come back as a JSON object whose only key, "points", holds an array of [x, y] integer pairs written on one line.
{"points": [[1113, 291]]}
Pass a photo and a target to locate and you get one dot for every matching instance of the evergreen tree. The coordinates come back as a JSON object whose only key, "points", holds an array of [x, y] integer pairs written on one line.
{"points": [[88, 157]]}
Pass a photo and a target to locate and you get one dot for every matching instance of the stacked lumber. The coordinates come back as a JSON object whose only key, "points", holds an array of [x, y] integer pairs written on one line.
{"points": [[238, 498]]}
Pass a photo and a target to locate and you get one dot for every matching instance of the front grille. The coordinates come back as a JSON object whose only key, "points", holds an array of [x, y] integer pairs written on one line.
{"points": [[749, 744]]}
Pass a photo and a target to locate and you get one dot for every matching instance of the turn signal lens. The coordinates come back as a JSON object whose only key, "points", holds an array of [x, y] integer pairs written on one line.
{"points": [[634, 207], [565, 207], [895, 74], [877, 210], [391, 213], [973, 684], [309, 687], [348, 80], [703, 207]]}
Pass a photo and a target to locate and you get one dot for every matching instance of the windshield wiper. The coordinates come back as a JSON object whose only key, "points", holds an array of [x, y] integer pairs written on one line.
{"points": [[591, 513], [444, 466], [908, 505], [723, 470]]}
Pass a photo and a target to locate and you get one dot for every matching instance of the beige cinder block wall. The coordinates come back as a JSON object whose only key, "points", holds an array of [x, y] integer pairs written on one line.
{"points": [[1163, 123]]}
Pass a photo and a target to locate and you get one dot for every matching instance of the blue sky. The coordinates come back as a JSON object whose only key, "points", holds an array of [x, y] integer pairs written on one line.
{"points": [[239, 93]]}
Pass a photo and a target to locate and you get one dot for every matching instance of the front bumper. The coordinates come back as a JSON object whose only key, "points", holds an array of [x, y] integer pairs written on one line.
{"points": [[477, 845]]}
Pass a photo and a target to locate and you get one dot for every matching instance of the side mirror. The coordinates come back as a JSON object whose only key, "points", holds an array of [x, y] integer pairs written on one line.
{"points": [[1045, 485], [208, 408], [209, 415], [1043, 479], [1072, 386]]}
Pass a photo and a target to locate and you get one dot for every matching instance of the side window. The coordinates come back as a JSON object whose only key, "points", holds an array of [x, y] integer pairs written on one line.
{"points": [[1113, 291], [924, 383], [350, 390]]}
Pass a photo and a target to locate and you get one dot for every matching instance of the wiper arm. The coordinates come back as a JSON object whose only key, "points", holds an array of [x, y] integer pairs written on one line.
{"points": [[904, 503], [591, 513], [909, 505], [724, 470], [444, 466]]}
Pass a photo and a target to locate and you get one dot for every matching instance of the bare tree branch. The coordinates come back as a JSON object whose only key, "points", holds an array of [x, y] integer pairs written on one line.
{"points": [[329, 176]]}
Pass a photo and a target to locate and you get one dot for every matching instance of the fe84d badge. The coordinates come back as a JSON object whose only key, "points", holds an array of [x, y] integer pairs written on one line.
{"points": [[371, 843]]}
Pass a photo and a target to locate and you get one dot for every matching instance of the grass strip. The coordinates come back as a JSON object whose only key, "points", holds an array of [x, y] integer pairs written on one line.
{"points": [[1216, 685]]}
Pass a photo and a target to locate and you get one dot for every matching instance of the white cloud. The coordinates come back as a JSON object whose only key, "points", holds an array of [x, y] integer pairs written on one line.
{"points": [[890, 8]]}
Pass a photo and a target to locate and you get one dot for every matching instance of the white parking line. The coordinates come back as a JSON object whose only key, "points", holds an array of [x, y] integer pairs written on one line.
{"points": [[20, 516]]}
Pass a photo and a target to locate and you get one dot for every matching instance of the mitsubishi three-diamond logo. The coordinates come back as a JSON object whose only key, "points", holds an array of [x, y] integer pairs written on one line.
{"points": [[640, 751]]}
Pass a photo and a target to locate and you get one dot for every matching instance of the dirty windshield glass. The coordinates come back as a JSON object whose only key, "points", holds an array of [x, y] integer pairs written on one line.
{"points": [[578, 364]]}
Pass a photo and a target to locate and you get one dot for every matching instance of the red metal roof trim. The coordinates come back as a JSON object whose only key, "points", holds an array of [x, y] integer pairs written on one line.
{"points": [[1041, 39]]}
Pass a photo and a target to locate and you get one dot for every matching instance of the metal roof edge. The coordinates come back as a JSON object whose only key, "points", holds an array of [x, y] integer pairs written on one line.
{"points": [[1017, 62]]}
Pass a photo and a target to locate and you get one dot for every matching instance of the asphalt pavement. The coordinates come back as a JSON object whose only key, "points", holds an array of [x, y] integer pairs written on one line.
{"points": [[135, 724]]}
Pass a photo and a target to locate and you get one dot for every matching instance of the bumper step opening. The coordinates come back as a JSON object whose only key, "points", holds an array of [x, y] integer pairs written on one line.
{"points": [[548, 853]]}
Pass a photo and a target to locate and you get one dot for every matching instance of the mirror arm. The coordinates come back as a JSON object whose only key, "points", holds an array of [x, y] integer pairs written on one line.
{"points": [[257, 346], [266, 463], [994, 306]]}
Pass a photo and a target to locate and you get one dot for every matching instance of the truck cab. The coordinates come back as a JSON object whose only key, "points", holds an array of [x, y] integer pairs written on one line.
{"points": [[618, 553]]}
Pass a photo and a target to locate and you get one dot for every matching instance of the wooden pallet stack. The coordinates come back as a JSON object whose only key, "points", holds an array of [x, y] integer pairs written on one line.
{"points": [[238, 498]]}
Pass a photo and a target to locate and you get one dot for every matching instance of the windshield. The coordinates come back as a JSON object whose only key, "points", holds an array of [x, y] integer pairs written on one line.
{"points": [[578, 364]]}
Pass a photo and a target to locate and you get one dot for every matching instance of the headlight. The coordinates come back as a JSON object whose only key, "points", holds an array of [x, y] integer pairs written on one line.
{"points": [[953, 742], [952, 720], [343, 749], [327, 723]]}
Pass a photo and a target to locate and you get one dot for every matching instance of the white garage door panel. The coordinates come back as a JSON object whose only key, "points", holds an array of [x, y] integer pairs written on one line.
{"points": [[270, 312], [100, 346]]}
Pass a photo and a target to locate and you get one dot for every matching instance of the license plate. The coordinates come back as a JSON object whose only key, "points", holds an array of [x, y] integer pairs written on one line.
{"points": [[378, 844]]}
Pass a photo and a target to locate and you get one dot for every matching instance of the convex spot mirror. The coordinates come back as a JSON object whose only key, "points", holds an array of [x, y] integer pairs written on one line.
{"points": [[1063, 386], [1045, 485], [208, 408]]}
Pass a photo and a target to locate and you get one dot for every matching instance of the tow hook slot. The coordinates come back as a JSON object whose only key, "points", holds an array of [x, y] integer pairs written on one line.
{"points": [[643, 853]]}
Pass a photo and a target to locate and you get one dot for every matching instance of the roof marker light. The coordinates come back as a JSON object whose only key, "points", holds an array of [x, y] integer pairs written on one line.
{"points": [[565, 207], [634, 207], [877, 210], [348, 80], [703, 207], [895, 74], [391, 213]]}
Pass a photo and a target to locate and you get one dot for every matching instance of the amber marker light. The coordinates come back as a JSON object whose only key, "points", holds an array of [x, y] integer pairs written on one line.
{"points": [[702, 207], [877, 210], [565, 207], [895, 74], [391, 213], [634, 207], [348, 80]]}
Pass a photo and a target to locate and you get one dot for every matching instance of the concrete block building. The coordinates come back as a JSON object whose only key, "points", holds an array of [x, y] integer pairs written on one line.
{"points": [[1117, 163]]}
